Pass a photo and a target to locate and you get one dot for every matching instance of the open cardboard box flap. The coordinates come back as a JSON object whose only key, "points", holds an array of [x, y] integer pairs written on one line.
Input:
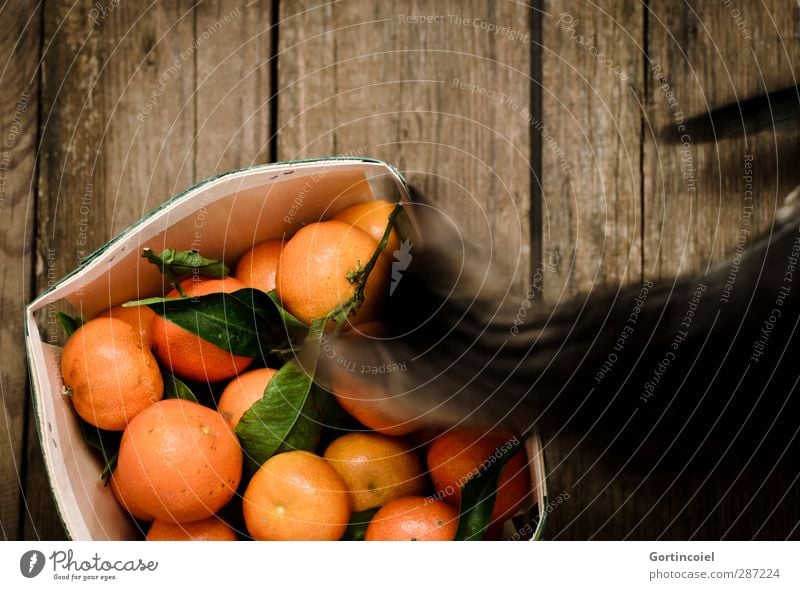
{"points": [[222, 217]]}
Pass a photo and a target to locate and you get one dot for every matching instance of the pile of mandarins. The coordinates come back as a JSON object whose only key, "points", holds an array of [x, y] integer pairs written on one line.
{"points": [[180, 463]]}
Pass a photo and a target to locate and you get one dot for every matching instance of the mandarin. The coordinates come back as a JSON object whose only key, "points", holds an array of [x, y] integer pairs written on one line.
{"points": [[372, 217], [140, 318], [112, 376], [413, 518], [258, 266], [242, 392], [457, 454], [210, 529], [178, 462], [186, 354], [296, 496], [317, 268], [376, 468]]}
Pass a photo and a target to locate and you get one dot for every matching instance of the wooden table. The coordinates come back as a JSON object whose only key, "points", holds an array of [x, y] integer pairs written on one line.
{"points": [[537, 124]]}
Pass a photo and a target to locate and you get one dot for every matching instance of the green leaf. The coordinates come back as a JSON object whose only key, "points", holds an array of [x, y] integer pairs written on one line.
{"points": [[478, 495], [174, 388], [247, 322], [68, 322], [177, 263], [152, 301], [285, 419], [357, 527], [105, 441], [294, 327]]}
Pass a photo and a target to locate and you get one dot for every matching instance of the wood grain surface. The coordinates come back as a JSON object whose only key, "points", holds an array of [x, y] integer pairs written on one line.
{"points": [[538, 127], [592, 80], [233, 92], [131, 103], [442, 100], [19, 103]]}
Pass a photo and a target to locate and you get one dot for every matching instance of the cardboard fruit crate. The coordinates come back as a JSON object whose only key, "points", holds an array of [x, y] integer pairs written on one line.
{"points": [[222, 217]]}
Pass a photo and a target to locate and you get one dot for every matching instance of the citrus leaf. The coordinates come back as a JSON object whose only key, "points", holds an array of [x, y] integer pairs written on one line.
{"points": [[292, 324], [478, 496], [105, 441], [176, 263], [217, 318], [174, 388], [285, 419], [357, 527], [68, 322], [276, 322], [152, 300], [246, 322]]}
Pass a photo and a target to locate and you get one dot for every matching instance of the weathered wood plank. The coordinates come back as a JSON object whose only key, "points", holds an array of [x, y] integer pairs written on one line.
{"points": [[118, 125], [233, 86], [442, 98], [129, 126], [591, 207], [591, 202], [19, 96], [703, 55]]}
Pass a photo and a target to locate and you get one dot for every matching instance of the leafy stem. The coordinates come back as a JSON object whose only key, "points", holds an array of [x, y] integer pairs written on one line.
{"points": [[360, 275], [177, 263], [355, 274]]}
